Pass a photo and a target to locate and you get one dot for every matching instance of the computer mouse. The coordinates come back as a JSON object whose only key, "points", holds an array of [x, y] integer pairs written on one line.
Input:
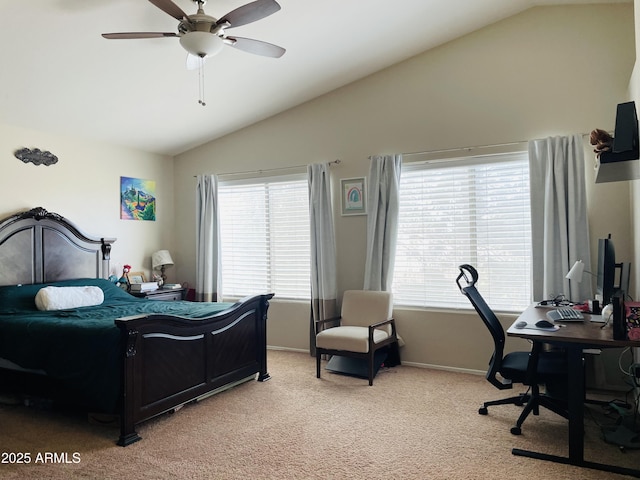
{"points": [[520, 324], [544, 324]]}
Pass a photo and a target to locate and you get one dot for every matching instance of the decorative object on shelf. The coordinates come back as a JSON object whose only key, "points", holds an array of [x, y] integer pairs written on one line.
{"points": [[160, 260], [353, 196], [137, 199], [601, 140], [136, 277], [36, 156]]}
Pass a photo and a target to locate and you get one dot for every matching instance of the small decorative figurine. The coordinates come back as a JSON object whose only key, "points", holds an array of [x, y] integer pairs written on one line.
{"points": [[124, 279]]}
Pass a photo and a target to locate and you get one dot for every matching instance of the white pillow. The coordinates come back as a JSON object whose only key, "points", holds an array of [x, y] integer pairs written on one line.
{"points": [[60, 298]]}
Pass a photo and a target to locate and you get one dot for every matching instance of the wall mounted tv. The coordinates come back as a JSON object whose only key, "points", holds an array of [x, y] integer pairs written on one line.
{"points": [[620, 163]]}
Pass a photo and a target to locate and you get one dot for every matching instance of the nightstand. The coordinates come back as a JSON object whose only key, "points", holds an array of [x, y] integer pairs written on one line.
{"points": [[163, 294]]}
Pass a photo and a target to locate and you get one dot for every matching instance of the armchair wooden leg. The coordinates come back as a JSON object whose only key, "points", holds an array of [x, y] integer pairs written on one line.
{"points": [[318, 365], [371, 357]]}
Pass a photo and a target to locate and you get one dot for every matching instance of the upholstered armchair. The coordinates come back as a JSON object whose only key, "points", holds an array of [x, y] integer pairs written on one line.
{"points": [[365, 326]]}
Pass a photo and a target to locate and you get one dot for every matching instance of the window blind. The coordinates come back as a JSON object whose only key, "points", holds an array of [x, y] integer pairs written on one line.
{"points": [[476, 211], [265, 239]]}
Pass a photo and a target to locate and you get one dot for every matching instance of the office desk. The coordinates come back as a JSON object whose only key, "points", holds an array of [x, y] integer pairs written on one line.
{"points": [[575, 337]]}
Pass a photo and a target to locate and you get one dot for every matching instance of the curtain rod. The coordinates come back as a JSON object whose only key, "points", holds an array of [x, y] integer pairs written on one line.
{"points": [[336, 162], [463, 149], [467, 149]]}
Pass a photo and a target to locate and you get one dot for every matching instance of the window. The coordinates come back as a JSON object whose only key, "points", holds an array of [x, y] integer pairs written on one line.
{"points": [[472, 210], [265, 239]]}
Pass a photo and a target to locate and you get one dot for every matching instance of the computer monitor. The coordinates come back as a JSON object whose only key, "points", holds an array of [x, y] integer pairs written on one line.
{"points": [[606, 270]]}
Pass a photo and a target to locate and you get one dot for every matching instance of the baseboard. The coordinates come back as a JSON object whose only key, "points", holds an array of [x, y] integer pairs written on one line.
{"points": [[409, 364], [444, 368], [288, 349]]}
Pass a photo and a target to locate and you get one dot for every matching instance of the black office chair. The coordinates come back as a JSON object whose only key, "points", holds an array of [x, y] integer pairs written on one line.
{"points": [[532, 368]]}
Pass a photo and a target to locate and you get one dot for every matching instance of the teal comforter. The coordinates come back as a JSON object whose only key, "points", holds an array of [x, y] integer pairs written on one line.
{"points": [[79, 347]]}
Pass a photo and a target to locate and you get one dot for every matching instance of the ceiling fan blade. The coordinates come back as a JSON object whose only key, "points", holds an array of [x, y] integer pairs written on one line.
{"points": [[171, 8], [126, 35], [250, 13], [256, 47]]}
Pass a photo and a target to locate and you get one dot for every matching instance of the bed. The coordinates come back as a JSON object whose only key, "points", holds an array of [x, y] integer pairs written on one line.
{"points": [[128, 356]]}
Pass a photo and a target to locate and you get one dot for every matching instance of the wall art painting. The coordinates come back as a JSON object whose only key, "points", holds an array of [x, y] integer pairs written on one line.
{"points": [[137, 199], [353, 196]]}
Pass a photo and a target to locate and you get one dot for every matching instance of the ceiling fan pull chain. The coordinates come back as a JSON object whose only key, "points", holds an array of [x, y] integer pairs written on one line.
{"points": [[201, 81]]}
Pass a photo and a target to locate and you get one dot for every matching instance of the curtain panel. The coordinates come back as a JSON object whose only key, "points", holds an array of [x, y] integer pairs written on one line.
{"points": [[208, 271], [323, 249], [559, 222], [383, 207]]}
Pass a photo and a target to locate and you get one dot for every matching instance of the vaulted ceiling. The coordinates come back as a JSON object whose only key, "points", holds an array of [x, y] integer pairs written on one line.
{"points": [[59, 75]]}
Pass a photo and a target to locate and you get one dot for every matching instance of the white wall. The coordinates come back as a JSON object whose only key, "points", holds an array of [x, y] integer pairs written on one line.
{"points": [[548, 71], [84, 187]]}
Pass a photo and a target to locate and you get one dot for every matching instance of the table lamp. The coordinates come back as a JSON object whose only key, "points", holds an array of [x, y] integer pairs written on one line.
{"points": [[160, 260], [576, 272]]}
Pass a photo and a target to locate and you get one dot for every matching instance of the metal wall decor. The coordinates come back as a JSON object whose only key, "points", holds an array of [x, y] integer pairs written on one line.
{"points": [[36, 156]]}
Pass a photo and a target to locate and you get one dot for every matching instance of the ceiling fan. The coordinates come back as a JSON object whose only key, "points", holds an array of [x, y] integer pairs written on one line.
{"points": [[204, 36]]}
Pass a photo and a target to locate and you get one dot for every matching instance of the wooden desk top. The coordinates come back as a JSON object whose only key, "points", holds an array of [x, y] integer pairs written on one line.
{"points": [[586, 332]]}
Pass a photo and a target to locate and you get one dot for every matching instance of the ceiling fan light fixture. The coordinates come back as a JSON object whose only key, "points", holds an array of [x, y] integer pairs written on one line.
{"points": [[201, 44]]}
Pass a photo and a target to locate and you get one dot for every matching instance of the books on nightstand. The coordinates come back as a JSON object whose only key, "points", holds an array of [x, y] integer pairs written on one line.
{"points": [[171, 286], [144, 287]]}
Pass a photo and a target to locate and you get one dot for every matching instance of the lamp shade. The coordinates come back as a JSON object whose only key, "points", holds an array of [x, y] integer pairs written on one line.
{"points": [[575, 274], [161, 258], [201, 44]]}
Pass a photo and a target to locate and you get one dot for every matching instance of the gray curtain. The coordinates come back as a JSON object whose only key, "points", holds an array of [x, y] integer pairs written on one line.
{"points": [[383, 207], [323, 249], [559, 222], [208, 271]]}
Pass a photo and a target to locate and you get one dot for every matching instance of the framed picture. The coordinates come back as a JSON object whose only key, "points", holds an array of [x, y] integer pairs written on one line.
{"points": [[136, 277], [352, 194], [137, 199]]}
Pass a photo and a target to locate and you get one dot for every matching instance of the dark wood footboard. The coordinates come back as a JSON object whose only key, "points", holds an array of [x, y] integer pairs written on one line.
{"points": [[170, 361]]}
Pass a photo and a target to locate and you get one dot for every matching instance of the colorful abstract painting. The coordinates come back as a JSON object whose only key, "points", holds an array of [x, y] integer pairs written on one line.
{"points": [[137, 199]]}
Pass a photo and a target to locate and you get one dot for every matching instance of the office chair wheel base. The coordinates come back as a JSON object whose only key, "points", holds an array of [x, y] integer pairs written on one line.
{"points": [[483, 411], [516, 431]]}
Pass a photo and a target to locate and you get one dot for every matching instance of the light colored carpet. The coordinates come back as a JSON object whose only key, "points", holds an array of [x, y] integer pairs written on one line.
{"points": [[411, 424]]}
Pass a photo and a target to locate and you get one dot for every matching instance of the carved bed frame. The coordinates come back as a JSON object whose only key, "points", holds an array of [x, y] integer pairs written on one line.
{"points": [[167, 361]]}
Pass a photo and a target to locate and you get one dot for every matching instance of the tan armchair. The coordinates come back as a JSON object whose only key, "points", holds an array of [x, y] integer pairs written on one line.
{"points": [[366, 325]]}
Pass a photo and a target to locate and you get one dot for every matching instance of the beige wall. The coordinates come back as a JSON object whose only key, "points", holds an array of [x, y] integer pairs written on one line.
{"points": [[548, 71], [84, 187]]}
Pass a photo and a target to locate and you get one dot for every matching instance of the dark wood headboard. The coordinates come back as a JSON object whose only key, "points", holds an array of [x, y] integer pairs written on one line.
{"points": [[37, 246]]}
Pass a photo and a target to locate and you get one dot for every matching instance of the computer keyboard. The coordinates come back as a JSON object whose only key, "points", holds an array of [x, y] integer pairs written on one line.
{"points": [[565, 314]]}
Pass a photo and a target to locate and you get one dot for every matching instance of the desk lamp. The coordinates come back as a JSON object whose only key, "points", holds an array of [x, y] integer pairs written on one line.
{"points": [[160, 260], [577, 271]]}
